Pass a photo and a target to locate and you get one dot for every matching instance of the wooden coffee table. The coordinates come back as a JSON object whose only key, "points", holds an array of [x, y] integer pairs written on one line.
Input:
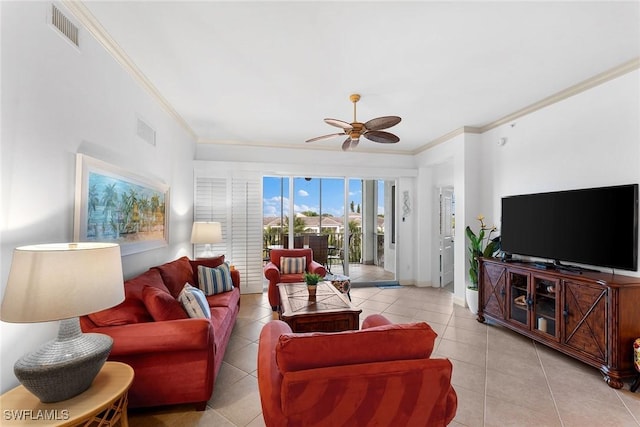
{"points": [[328, 311]]}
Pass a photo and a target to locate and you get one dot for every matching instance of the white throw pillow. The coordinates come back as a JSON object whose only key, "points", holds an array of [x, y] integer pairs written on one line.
{"points": [[194, 302]]}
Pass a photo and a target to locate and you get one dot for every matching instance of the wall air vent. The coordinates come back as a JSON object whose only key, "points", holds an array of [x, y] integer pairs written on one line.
{"points": [[64, 25], [146, 132]]}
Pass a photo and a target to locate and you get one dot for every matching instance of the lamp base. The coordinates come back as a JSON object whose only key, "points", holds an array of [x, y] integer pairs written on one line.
{"points": [[64, 367]]}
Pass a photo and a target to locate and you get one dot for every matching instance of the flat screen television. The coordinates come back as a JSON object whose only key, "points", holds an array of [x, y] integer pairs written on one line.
{"points": [[593, 226]]}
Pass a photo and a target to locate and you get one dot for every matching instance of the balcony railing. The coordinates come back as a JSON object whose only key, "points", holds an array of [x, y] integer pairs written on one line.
{"points": [[335, 240]]}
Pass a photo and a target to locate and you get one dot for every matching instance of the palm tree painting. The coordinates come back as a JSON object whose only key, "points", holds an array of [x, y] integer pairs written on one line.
{"points": [[120, 207]]}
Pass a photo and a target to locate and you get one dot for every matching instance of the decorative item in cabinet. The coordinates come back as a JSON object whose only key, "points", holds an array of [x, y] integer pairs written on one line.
{"points": [[518, 284], [546, 305]]}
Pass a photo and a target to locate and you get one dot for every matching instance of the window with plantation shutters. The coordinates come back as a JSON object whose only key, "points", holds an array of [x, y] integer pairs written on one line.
{"points": [[235, 202]]}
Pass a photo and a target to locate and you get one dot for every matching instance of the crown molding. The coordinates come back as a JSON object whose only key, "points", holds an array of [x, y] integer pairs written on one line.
{"points": [[446, 137], [84, 16], [359, 149], [590, 83]]}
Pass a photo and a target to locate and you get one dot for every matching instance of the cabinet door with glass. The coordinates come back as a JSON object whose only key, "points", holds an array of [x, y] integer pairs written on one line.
{"points": [[519, 298], [546, 306]]}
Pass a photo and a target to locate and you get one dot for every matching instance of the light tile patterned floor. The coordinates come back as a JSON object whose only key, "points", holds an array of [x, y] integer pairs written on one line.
{"points": [[501, 378]]}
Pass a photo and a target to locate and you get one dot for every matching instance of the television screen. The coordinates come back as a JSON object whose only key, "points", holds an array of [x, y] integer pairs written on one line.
{"points": [[595, 226]]}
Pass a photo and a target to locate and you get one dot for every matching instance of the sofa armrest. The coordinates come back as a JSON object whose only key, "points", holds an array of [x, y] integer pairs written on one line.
{"points": [[235, 278], [374, 320], [272, 272], [316, 267], [155, 337], [269, 377]]}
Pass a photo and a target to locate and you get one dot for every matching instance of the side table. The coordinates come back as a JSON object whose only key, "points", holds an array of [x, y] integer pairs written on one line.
{"points": [[102, 404]]}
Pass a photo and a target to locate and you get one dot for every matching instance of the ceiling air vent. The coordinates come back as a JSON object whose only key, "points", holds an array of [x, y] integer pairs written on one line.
{"points": [[146, 132], [64, 25]]}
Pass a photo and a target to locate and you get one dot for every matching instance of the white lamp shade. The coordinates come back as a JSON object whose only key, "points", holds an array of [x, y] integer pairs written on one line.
{"points": [[62, 280], [206, 233]]}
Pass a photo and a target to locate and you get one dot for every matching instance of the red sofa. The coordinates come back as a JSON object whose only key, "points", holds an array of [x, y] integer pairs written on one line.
{"points": [[273, 274], [381, 375], [175, 358]]}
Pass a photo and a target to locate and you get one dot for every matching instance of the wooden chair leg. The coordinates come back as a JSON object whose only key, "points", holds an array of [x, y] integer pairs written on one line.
{"points": [[635, 384]]}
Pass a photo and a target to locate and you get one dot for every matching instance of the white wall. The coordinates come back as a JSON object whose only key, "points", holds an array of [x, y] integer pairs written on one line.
{"points": [[589, 140], [281, 161], [316, 162], [454, 163], [58, 101]]}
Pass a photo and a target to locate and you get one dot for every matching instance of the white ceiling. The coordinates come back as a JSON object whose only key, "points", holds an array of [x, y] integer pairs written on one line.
{"points": [[268, 73]]}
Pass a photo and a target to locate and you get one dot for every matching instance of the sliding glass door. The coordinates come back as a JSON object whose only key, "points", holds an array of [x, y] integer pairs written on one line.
{"points": [[342, 220]]}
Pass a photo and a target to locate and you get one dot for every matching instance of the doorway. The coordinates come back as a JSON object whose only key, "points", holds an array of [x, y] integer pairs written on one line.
{"points": [[447, 231]]}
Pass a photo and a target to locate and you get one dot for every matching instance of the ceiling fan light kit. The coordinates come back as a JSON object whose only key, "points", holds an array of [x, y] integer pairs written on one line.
{"points": [[372, 130]]}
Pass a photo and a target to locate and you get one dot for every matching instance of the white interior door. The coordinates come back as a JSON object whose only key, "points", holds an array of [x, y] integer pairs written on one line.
{"points": [[447, 228]]}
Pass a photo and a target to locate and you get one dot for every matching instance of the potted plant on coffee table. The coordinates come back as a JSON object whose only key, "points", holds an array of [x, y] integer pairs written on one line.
{"points": [[480, 245], [311, 279]]}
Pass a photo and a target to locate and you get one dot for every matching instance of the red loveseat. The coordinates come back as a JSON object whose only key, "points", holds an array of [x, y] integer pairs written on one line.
{"points": [[175, 358], [381, 375], [272, 271]]}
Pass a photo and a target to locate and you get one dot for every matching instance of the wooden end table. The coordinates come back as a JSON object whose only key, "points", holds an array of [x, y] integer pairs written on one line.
{"points": [[328, 311], [102, 404]]}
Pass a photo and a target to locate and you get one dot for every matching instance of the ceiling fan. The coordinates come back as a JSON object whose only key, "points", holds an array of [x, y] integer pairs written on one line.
{"points": [[372, 130]]}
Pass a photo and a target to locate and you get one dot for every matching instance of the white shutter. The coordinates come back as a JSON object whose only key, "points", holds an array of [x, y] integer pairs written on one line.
{"points": [[211, 205], [235, 202], [246, 228]]}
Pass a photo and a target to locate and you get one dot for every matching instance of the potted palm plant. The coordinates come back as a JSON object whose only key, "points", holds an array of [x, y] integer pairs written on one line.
{"points": [[311, 279], [480, 245]]}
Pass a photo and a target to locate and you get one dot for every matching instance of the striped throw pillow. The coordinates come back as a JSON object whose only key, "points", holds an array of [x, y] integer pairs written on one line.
{"points": [[194, 302], [293, 265], [215, 280]]}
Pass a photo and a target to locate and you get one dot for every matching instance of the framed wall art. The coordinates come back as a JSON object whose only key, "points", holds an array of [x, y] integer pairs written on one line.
{"points": [[117, 206]]}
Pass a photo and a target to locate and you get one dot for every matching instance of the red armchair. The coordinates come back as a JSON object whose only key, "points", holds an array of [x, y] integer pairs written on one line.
{"points": [[380, 375], [272, 271]]}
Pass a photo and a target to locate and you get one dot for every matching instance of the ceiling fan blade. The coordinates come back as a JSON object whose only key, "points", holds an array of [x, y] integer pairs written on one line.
{"points": [[382, 122], [320, 138], [354, 143], [381, 136], [338, 123], [346, 144]]}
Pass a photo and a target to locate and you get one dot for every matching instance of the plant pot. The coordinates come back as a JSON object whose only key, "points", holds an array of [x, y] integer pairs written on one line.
{"points": [[472, 300], [312, 290]]}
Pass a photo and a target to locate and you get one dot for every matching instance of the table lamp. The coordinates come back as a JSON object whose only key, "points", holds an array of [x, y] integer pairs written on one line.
{"points": [[206, 233], [62, 281]]}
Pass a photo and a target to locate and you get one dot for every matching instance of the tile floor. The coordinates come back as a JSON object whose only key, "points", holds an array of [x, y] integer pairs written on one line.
{"points": [[501, 378]]}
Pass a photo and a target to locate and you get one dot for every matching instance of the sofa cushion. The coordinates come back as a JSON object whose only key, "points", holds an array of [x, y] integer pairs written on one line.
{"points": [[293, 265], [225, 299], [207, 262], [295, 352], [215, 280], [136, 285], [161, 305], [194, 302], [175, 274], [131, 310]]}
